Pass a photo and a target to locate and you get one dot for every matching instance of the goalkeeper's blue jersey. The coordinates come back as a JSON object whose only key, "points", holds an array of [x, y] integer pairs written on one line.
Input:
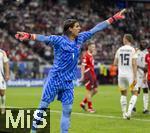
{"points": [[66, 54], [64, 69]]}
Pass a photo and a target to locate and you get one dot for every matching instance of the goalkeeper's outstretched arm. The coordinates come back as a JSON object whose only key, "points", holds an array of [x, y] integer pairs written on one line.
{"points": [[102, 25], [52, 40], [27, 36]]}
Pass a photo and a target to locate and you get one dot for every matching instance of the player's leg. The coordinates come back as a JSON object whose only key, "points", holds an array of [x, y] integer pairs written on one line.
{"points": [[2, 100], [65, 118], [123, 101], [88, 88], [66, 97], [133, 98], [48, 96], [122, 83], [88, 98], [2, 96], [134, 108], [39, 114], [83, 103], [85, 100], [89, 84], [132, 103], [145, 98], [90, 103], [92, 92], [139, 85], [95, 85]]}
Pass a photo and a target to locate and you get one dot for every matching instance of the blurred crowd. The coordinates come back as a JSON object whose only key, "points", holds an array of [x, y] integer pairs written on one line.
{"points": [[47, 18]]}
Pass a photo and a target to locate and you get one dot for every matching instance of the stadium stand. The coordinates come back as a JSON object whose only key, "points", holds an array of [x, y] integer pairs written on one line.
{"points": [[48, 19]]}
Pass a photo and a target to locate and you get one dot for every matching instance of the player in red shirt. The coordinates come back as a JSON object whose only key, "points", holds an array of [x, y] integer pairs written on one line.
{"points": [[147, 60], [88, 76]]}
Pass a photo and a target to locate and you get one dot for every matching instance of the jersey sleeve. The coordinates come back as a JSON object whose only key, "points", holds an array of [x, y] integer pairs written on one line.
{"points": [[53, 40], [84, 36], [5, 58], [99, 27]]}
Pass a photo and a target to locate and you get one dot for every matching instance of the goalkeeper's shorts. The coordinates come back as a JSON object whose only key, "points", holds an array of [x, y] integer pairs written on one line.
{"points": [[63, 90]]}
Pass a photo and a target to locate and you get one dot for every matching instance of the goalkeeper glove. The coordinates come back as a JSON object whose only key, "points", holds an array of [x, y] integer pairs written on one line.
{"points": [[24, 36], [117, 16]]}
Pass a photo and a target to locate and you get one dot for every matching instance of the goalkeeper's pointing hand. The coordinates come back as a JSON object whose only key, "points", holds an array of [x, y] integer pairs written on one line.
{"points": [[118, 16]]}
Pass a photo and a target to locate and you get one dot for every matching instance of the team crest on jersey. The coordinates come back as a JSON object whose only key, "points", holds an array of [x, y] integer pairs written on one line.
{"points": [[78, 46]]}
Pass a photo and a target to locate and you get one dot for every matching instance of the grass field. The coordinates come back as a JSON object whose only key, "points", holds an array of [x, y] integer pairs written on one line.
{"points": [[107, 118]]}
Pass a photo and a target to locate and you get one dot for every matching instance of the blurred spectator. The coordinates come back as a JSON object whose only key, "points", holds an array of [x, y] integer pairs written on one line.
{"points": [[113, 74]]}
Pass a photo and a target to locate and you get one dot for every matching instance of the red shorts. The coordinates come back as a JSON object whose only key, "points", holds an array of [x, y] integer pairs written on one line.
{"points": [[90, 80]]}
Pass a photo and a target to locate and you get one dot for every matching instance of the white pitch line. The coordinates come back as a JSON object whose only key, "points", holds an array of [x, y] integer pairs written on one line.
{"points": [[92, 115], [100, 116]]}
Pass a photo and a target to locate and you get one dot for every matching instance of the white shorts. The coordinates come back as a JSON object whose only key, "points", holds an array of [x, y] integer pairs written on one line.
{"points": [[140, 83], [2, 85], [125, 83]]}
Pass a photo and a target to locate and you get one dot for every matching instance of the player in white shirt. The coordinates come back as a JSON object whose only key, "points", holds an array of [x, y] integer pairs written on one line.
{"points": [[126, 58], [4, 76], [141, 83]]}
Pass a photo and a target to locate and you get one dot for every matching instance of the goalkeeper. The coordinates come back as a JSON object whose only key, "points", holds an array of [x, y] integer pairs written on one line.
{"points": [[67, 49]]}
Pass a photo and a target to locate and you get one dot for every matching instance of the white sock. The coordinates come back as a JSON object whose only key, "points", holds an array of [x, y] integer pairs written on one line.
{"points": [[145, 101], [132, 103], [123, 102], [3, 99]]}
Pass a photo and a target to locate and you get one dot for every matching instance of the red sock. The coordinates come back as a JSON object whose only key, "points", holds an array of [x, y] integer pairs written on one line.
{"points": [[85, 100], [89, 104]]}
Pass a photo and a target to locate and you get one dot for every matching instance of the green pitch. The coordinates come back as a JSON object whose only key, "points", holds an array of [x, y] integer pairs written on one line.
{"points": [[107, 119]]}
